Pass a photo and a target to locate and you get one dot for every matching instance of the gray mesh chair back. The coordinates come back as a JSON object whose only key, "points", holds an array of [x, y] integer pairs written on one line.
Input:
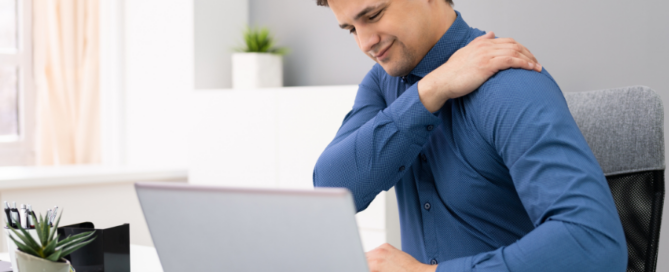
{"points": [[624, 130]]}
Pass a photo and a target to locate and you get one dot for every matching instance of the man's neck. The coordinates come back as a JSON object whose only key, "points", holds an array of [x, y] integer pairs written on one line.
{"points": [[444, 18]]}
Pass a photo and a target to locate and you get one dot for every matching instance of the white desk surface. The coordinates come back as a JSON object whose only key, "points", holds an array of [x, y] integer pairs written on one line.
{"points": [[142, 258]]}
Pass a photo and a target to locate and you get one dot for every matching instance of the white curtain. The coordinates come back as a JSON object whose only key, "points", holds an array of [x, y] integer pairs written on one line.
{"points": [[66, 67]]}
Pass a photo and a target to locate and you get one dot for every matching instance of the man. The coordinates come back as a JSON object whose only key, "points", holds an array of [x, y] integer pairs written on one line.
{"points": [[491, 171]]}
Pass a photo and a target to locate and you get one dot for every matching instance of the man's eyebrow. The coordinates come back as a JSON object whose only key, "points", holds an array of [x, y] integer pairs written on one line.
{"points": [[344, 26], [362, 13]]}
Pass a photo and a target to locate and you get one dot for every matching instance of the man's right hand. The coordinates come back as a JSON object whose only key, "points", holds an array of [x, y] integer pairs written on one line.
{"points": [[471, 66]]}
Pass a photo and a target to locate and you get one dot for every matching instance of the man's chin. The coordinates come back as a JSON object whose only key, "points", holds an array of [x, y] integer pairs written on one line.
{"points": [[395, 70]]}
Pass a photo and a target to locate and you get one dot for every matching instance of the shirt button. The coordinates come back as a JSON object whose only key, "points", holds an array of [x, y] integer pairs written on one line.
{"points": [[433, 262], [427, 206], [423, 157], [402, 168], [430, 127]]}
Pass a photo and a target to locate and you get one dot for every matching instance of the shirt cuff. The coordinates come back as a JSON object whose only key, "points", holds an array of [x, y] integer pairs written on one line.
{"points": [[463, 264], [411, 117]]}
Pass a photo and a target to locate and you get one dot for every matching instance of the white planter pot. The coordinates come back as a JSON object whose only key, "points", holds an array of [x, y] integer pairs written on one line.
{"points": [[12, 248], [29, 263], [256, 70]]}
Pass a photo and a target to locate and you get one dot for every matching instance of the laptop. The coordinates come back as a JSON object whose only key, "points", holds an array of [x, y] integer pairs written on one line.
{"points": [[205, 228]]}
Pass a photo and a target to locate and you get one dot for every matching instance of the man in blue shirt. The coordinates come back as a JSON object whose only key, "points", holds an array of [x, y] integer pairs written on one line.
{"points": [[490, 170]]}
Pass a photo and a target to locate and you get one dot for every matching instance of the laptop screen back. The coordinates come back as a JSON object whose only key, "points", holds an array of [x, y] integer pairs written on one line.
{"points": [[198, 228]]}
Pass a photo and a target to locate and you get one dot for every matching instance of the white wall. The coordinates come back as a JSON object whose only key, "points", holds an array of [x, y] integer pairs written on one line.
{"points": [[158, 78], [321, 53], [218, 27]]}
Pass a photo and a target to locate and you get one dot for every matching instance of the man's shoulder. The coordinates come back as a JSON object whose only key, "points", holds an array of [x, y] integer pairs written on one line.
{"points": [[516, 96], [514, 86]]}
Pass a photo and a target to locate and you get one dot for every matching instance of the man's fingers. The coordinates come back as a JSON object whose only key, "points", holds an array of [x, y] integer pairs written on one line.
{"points": [[503, 40], [513, 52], [509, 52], [488, 35], [516, 47], [505, 62], [527, 53], [510, 42], [374, 260]]}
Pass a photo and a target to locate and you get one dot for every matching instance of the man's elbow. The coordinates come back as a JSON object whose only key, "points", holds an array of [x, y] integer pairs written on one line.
{"points": [[320, 178], [316, 181]]}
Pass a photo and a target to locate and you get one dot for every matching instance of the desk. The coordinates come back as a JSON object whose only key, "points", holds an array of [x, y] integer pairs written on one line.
{"points": [[142, 258]]}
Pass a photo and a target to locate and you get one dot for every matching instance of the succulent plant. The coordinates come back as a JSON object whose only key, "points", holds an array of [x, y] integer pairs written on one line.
{"points": [[48, 247], [259, 40]]}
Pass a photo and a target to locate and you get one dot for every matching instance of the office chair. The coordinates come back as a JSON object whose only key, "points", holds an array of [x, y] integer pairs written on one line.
{"points": [[624, 129]]}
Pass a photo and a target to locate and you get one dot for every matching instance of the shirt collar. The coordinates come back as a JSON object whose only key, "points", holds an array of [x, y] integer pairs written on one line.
{"points": [[456, 37]]}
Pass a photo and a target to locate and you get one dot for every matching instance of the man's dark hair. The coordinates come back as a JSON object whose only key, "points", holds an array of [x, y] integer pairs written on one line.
{"points": [[325, 2]]}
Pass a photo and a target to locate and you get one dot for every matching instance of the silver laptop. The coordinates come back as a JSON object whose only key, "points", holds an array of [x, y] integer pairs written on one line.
{"points": [[204, 228]]}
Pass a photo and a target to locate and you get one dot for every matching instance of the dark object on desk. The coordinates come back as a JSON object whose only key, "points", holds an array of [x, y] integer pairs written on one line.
{"points": [[624, 129], [109, 252], [5, 266]]}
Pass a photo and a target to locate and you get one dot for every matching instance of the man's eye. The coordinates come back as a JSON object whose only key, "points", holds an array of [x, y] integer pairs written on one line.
{"points": [[352, 30], [375, 15]]}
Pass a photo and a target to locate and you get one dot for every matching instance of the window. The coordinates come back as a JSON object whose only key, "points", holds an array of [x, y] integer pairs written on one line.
{"points": [[16, 87], [8, 71]]}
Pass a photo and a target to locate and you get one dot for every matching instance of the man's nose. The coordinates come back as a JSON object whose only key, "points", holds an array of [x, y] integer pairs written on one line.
{"points": [[367, 39]]}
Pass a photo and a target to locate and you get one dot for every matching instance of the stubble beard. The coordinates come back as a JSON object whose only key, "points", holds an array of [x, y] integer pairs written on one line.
{"points": [[402, 63]]}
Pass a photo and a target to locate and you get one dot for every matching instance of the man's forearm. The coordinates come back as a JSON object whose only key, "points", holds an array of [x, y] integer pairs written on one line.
{"points": [[374, 156], [553, 246]]}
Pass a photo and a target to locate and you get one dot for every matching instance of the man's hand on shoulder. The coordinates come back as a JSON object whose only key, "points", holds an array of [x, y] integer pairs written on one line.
{"points": [[387, 258], [471, 66]]}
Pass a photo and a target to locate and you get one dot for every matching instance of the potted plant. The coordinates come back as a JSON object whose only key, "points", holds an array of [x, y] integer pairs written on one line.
{"points": [[47, 253], [259, 63]]}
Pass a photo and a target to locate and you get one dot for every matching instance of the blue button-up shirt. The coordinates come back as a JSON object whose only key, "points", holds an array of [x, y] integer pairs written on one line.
{"points": [[498, 180]]}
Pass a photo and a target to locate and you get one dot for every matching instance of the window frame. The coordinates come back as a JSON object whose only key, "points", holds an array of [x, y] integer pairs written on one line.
{"points": [[112, 82], [21, 151]]}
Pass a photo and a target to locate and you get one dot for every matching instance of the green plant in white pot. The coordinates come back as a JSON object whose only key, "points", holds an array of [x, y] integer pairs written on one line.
{"points": [[259, 63], [48, 253]]}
